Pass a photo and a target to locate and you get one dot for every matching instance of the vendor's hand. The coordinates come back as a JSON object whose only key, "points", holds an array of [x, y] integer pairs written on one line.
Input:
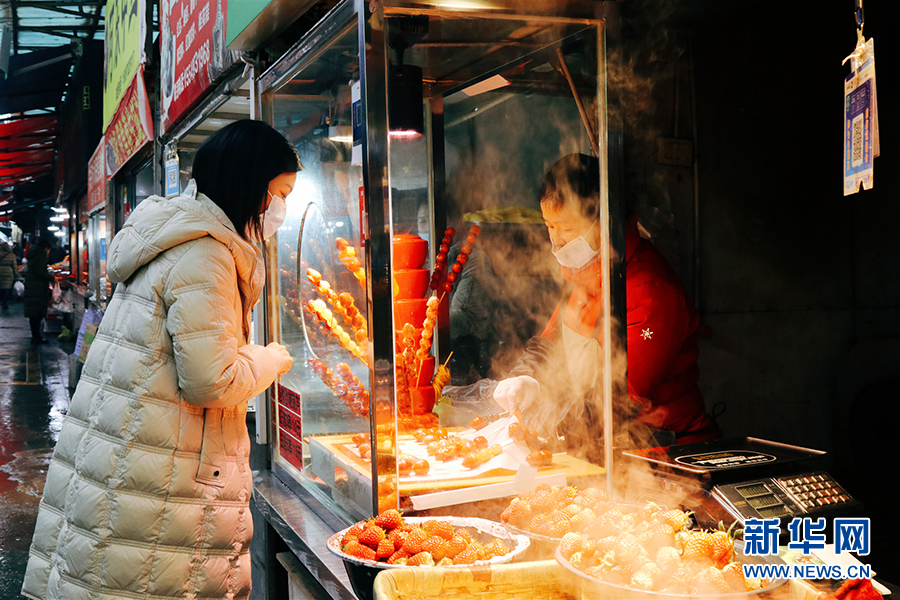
{"points": [[281, 353], [516, 392]]}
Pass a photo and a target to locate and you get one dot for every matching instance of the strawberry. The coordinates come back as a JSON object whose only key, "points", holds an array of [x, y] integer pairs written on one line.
{"points": [[676, 519], [444, 562], [619, 574], [467, 556], [440, 528], [385, 548], [734, 577], [396, 557], [668, 559], [710, 581], [372, 536], [645, 577], [456, 545], [348, 538], [722, 548], [517, 513], [436, 546], [421, 559], [570, 544], [463, 534], [494, 548], [581, 520], [357, 529], [389, 519], [357, 550], [626, 547], [697, 544], [414, 541], [397, 536]]}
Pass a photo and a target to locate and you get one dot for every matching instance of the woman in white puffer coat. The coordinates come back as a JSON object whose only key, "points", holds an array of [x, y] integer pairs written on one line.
{"points": [[148, 490]]}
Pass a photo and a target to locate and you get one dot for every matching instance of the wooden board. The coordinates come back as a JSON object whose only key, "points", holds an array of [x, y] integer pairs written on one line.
{"points": [[341, 447]]}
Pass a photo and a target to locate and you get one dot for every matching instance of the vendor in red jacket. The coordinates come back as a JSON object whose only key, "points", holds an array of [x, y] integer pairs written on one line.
{"points": [[559, 373]]}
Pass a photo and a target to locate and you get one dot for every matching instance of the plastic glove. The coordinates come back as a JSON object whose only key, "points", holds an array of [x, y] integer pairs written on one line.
{"points": [[516, 392], [280, 353]]}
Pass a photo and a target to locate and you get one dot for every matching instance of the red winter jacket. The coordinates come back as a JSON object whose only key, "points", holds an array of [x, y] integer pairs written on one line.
{"points": [[662, 337]]}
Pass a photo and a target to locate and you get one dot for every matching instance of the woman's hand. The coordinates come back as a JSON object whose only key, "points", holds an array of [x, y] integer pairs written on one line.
{"points": [[282, 354]]}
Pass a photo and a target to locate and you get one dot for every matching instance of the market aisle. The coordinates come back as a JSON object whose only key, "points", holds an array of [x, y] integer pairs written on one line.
{"points": [[33, 401]]}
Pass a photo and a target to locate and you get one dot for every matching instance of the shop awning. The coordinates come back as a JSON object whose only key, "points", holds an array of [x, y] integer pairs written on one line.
{"points": [[26, 148], [36, 80]]}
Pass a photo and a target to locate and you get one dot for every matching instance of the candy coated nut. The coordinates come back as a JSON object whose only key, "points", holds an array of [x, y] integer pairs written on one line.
{"points": [[448, 287], [471, 238]]}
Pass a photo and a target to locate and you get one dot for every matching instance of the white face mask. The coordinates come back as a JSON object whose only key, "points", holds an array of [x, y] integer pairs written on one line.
{"points": [[273, 217], [577, 253]]}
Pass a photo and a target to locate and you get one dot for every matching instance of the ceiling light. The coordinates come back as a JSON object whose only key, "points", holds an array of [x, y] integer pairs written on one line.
{"points": [[53, 228], [60, 234], [58, 219], [57, 209]]}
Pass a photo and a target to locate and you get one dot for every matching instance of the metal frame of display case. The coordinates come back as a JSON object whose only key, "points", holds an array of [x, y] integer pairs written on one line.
{"points": [[370, 18]]}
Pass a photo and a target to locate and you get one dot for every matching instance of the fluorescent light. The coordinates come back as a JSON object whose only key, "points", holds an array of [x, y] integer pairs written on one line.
{"points": [[53, 228], [59, 234], [340, 133], [58, 219], [407, 134], [57, 209], [489, 84]]}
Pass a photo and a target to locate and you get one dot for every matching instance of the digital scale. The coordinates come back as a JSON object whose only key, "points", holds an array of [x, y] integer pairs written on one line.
{"points": [[741, 479]]}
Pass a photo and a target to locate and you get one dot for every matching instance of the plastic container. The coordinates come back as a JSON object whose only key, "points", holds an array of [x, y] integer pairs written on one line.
{"points": [[422, 399], [410, 283], [411, 310], [410, 251]]}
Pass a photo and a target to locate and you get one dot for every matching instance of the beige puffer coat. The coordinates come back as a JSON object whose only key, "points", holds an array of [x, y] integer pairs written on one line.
{"points": [[147, 494]]}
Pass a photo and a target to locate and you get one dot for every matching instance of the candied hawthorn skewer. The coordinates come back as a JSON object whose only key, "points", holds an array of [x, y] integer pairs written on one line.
{"points": [[462, 259], [343, 304], [347, 255], [350, 390], [325, 315], [440, 261], [428, 328]]}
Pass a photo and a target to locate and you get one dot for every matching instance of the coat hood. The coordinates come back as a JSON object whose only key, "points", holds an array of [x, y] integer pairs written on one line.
{"points": [[158, 224]]}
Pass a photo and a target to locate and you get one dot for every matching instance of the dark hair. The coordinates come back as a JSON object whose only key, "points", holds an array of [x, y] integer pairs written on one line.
{"points": [[235, 165], [44, 243], [573, 176]]}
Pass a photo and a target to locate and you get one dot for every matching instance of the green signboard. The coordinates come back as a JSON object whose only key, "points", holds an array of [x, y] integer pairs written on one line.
{"points": [[126, 30]]}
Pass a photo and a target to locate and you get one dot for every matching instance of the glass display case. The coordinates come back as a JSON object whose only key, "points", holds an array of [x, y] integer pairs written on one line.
{"points": [[415, 265]]}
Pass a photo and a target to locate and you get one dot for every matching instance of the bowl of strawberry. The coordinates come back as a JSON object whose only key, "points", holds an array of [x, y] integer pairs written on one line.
{"points": [[659, 555], [391, 541]]}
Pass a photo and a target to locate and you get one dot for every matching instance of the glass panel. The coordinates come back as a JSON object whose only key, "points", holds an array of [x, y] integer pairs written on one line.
{"points": [[97, 256], [321, 283], [499, 113]]}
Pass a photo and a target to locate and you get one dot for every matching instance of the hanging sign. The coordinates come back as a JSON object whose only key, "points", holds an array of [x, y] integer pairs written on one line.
{"points": [[125, 34], [130, 128], [861, 139], [96, 193], [192, 53], [172, 176]]}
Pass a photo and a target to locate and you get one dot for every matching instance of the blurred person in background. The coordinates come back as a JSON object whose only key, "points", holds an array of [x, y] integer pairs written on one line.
{"points": [[8, 272], [148, 490], [37, 289], [555, 382]]}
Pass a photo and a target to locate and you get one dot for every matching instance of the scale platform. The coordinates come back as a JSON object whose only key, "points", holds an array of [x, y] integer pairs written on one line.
{"points": [[748, 478]]}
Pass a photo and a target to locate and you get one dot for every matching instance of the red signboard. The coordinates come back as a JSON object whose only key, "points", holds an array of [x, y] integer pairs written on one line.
{"points": [[96, 194], [192, 53], [131, 126]]}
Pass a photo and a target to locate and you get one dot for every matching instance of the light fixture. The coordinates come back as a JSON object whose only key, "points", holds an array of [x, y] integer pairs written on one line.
{"points": [[53, 228], [58, 218], [405, 115], [60, 234], [58, 209], [340, 133]]}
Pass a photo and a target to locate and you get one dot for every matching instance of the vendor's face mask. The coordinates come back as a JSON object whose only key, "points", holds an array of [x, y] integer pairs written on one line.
{"points": [[576, 253], [274, 216]]}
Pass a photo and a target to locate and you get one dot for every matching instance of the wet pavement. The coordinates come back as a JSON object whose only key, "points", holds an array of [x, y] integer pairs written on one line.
{"points": [[34, 398]]}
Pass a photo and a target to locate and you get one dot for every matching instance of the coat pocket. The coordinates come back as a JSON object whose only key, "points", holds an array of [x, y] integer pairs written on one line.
{"points": [[212, 451]]}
